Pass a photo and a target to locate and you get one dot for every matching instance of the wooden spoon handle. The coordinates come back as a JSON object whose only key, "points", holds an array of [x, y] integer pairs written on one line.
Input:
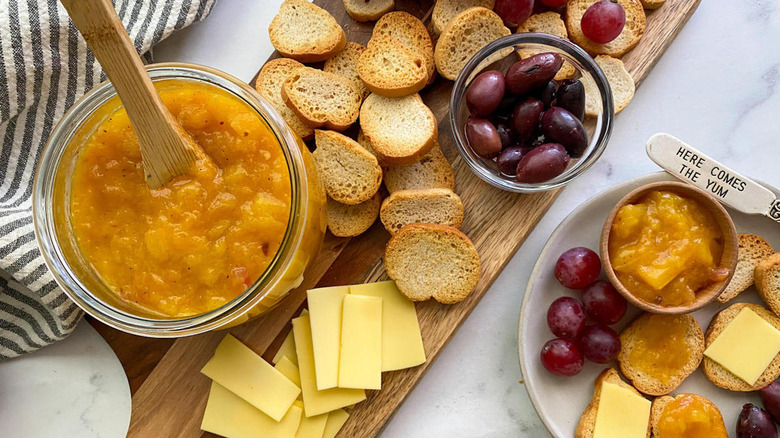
{"points": [[166, 148]]}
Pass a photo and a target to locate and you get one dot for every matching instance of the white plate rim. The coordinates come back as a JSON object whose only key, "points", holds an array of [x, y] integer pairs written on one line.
{"points": [[535, 273]]}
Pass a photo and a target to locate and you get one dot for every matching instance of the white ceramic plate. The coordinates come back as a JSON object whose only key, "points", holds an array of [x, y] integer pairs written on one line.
{"points": [[560, 400]]}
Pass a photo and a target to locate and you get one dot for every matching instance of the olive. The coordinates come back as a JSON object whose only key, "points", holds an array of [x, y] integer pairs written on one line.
{"points": [[506, 135], [754, 422], [485, 93], [508, 158], [571, 97], [483, 137], [542, 163], [548, 93], [561, 126], [525, 118], [770, 398], [532, 72]]}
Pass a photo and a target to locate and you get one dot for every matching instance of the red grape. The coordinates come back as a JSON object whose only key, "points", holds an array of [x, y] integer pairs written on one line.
{"points": [[566, 317], [603, 21], [554, 3], [561, 357], [514, 12], [770, 398], [578, 267], [603, 303], [599, 343]]}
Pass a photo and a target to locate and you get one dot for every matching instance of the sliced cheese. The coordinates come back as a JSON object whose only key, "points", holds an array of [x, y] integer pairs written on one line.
{"points": [[239, 369], [336, 420], [289, 370], [402, 345], [230, 416], [286, 350], [621, 413], [312, 427], [317, 402], [325, 306], [746, 346], [360, 359]]}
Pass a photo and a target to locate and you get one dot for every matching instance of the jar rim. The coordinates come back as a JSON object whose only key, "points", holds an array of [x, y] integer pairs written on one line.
{"points": [[58, 263]]}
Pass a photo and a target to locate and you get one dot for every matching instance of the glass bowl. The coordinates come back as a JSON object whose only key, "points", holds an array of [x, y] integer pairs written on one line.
{"points": [[500, 55], [80, 280]]}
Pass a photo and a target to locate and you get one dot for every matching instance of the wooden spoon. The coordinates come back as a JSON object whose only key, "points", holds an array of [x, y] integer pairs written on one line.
{"points": [[167, 150]]}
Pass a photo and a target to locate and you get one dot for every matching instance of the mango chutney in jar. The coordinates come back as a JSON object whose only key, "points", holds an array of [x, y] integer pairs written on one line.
{"points": [[666, 247], [205, 237]]}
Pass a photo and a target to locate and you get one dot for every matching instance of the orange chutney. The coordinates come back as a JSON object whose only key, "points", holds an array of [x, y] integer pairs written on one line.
{"points": [[665, 247], [691, 416], [202, 239], [660, 350]]}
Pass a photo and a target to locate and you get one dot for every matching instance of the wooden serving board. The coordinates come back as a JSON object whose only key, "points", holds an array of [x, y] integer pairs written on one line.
{"points": [[169, 393]]}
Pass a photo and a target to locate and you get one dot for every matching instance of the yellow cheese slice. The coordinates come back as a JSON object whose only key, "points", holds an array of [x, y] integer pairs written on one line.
{"points": [[336, 419], [746, 346], [289, 370], [402, 345], [242, 372], [360, 359], [317, 402], [621, 413], [287, 350], [325, 306], [312, 427], [230, 416]]}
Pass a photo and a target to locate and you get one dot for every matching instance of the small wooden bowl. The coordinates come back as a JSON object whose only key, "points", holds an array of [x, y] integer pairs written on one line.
{"points": [[728, 259]]}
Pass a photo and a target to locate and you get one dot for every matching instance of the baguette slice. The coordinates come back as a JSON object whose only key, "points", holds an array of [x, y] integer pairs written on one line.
{"points": [[445, 10], [767, 274], [427, 206], [401, 130], [620, 81], [752, 249], [721, 376], [659, 404], [350, 173], [351, 220], [345, 64], [649, 384], [410, 32], [305, 32], [269, 85], [588, 418], [363, 141], [652, 4], [368, 10], [432, 261], [389, 68], [628, 38], [322, 99], [464, 36], [432, 171]]}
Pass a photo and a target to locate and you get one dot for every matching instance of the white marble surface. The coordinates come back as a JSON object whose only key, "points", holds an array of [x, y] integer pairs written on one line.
{"points": [[716, 88], [74, 388]]}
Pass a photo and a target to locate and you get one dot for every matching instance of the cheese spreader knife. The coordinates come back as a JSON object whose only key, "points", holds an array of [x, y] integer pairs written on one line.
{"points": [[726, 185]]}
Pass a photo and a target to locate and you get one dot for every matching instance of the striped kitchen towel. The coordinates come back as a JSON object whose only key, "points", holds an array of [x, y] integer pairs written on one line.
{"points": [[44, 67]]}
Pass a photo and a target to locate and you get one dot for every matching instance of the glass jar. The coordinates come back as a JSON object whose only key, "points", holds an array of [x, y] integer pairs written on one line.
{"points": [[82, 283], [500, 55]]}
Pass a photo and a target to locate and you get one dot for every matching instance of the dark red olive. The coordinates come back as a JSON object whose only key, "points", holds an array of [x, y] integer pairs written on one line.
{"points": [[483, 137], [506, 135], [548, 93], [525, 118], [542, 163], [571, 97], [532, 72], [508, 159], [485, 93], [561, 126]]}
